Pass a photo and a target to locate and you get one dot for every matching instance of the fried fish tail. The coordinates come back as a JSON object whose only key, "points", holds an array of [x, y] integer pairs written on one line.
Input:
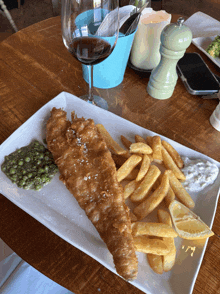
{"points": [[88, 171], [120, 244]]}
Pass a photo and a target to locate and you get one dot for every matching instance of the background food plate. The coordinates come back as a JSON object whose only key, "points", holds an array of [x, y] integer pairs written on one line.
{"points": [[57, 209], [202, 43]]}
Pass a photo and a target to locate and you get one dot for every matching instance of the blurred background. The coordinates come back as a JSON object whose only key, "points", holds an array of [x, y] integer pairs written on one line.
{"points": [[33, 11], [29, 12]]}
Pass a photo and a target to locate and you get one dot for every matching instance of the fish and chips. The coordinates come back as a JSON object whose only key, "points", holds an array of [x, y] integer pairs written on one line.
{"points": [[102, 175]]}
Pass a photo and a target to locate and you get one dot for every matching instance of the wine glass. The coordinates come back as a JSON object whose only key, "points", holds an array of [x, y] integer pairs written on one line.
{"points": [[90, 32]]}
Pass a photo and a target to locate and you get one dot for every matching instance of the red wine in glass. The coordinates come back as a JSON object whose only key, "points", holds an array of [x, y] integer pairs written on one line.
{"points": [[90, 51]]}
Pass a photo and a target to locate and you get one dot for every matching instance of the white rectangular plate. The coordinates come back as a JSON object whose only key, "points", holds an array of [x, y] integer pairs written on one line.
{"points": [[58, 210], [202, 43]]}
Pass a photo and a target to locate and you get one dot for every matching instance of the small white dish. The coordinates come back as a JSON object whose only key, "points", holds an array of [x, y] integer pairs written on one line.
{"points": [[202, 43]]}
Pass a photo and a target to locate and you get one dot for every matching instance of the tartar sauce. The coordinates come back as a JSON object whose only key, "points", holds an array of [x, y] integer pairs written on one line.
{"points": [[199, 174]]}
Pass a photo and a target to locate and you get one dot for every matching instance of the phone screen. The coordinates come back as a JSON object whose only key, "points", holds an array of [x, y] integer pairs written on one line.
{"points": [[197, 74]]}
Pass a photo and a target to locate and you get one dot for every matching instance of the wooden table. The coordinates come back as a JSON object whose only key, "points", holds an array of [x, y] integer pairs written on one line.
{"points": [[34, 68]]}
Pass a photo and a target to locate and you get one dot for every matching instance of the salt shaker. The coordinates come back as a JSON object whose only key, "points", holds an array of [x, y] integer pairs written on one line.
{"points": [[175, 39]]}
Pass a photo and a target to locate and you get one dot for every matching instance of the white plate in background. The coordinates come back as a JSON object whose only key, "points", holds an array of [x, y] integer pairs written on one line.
{"points": [[202, 43], [58, 210]]}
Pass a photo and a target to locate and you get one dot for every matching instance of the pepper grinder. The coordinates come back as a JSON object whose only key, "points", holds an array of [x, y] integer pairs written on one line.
{"points": [[175, 39]]}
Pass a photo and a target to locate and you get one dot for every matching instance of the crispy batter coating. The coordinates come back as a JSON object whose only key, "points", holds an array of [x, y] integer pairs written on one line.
{"points": [[88, 171]]}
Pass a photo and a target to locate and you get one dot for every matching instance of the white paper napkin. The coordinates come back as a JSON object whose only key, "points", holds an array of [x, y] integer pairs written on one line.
{"points": [[111, 19], [7, 266], [203, 25], [17, 276]]}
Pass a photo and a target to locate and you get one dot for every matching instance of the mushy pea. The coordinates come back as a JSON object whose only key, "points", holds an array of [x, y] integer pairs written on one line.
{"points": [[30, 167]]}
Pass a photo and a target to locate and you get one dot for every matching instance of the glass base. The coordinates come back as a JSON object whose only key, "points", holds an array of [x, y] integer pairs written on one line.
{"points": [[98, 101]]}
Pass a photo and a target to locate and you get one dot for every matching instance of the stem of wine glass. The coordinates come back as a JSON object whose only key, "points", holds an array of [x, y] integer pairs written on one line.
{"points": [[93, 99], [90, 70]]}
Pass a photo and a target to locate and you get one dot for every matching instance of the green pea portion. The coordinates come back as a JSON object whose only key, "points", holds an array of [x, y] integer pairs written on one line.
{"points": [[30, 167]]}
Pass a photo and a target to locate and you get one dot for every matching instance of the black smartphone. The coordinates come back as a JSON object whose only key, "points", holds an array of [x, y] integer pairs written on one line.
{"points": [[196, 75]]}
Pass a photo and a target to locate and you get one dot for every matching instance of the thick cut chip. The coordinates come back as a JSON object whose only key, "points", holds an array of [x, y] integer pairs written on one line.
{"points": [[148, 205], [146, 184], [169, 197], [180, 191], [153, 229], [145, 164], [151, 157], [128, 166], [138, 138], [173, 153], [133, 175], [155, 262], [147, 245], [156, 147], [111, 143], [129, 188], [169, 259], [149, 140], [170, 164], [125, 142], [140, 148], [170, 194]]}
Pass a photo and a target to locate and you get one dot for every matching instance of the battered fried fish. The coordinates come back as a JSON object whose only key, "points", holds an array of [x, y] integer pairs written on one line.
{"points": [[88, 171]]}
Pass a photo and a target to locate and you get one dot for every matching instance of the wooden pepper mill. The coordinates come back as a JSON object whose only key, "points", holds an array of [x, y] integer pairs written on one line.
{"points": [[175, 39]]}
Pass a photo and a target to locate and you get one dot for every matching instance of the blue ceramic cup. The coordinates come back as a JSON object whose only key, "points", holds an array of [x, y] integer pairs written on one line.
{"points": [[110, 72]]}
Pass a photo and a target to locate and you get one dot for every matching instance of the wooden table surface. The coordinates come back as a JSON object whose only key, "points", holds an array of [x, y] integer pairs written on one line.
{"points": [[34, 68]]}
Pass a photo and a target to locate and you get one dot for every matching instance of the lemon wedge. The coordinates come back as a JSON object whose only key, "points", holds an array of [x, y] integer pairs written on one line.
{"points": [[188, 225]]}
